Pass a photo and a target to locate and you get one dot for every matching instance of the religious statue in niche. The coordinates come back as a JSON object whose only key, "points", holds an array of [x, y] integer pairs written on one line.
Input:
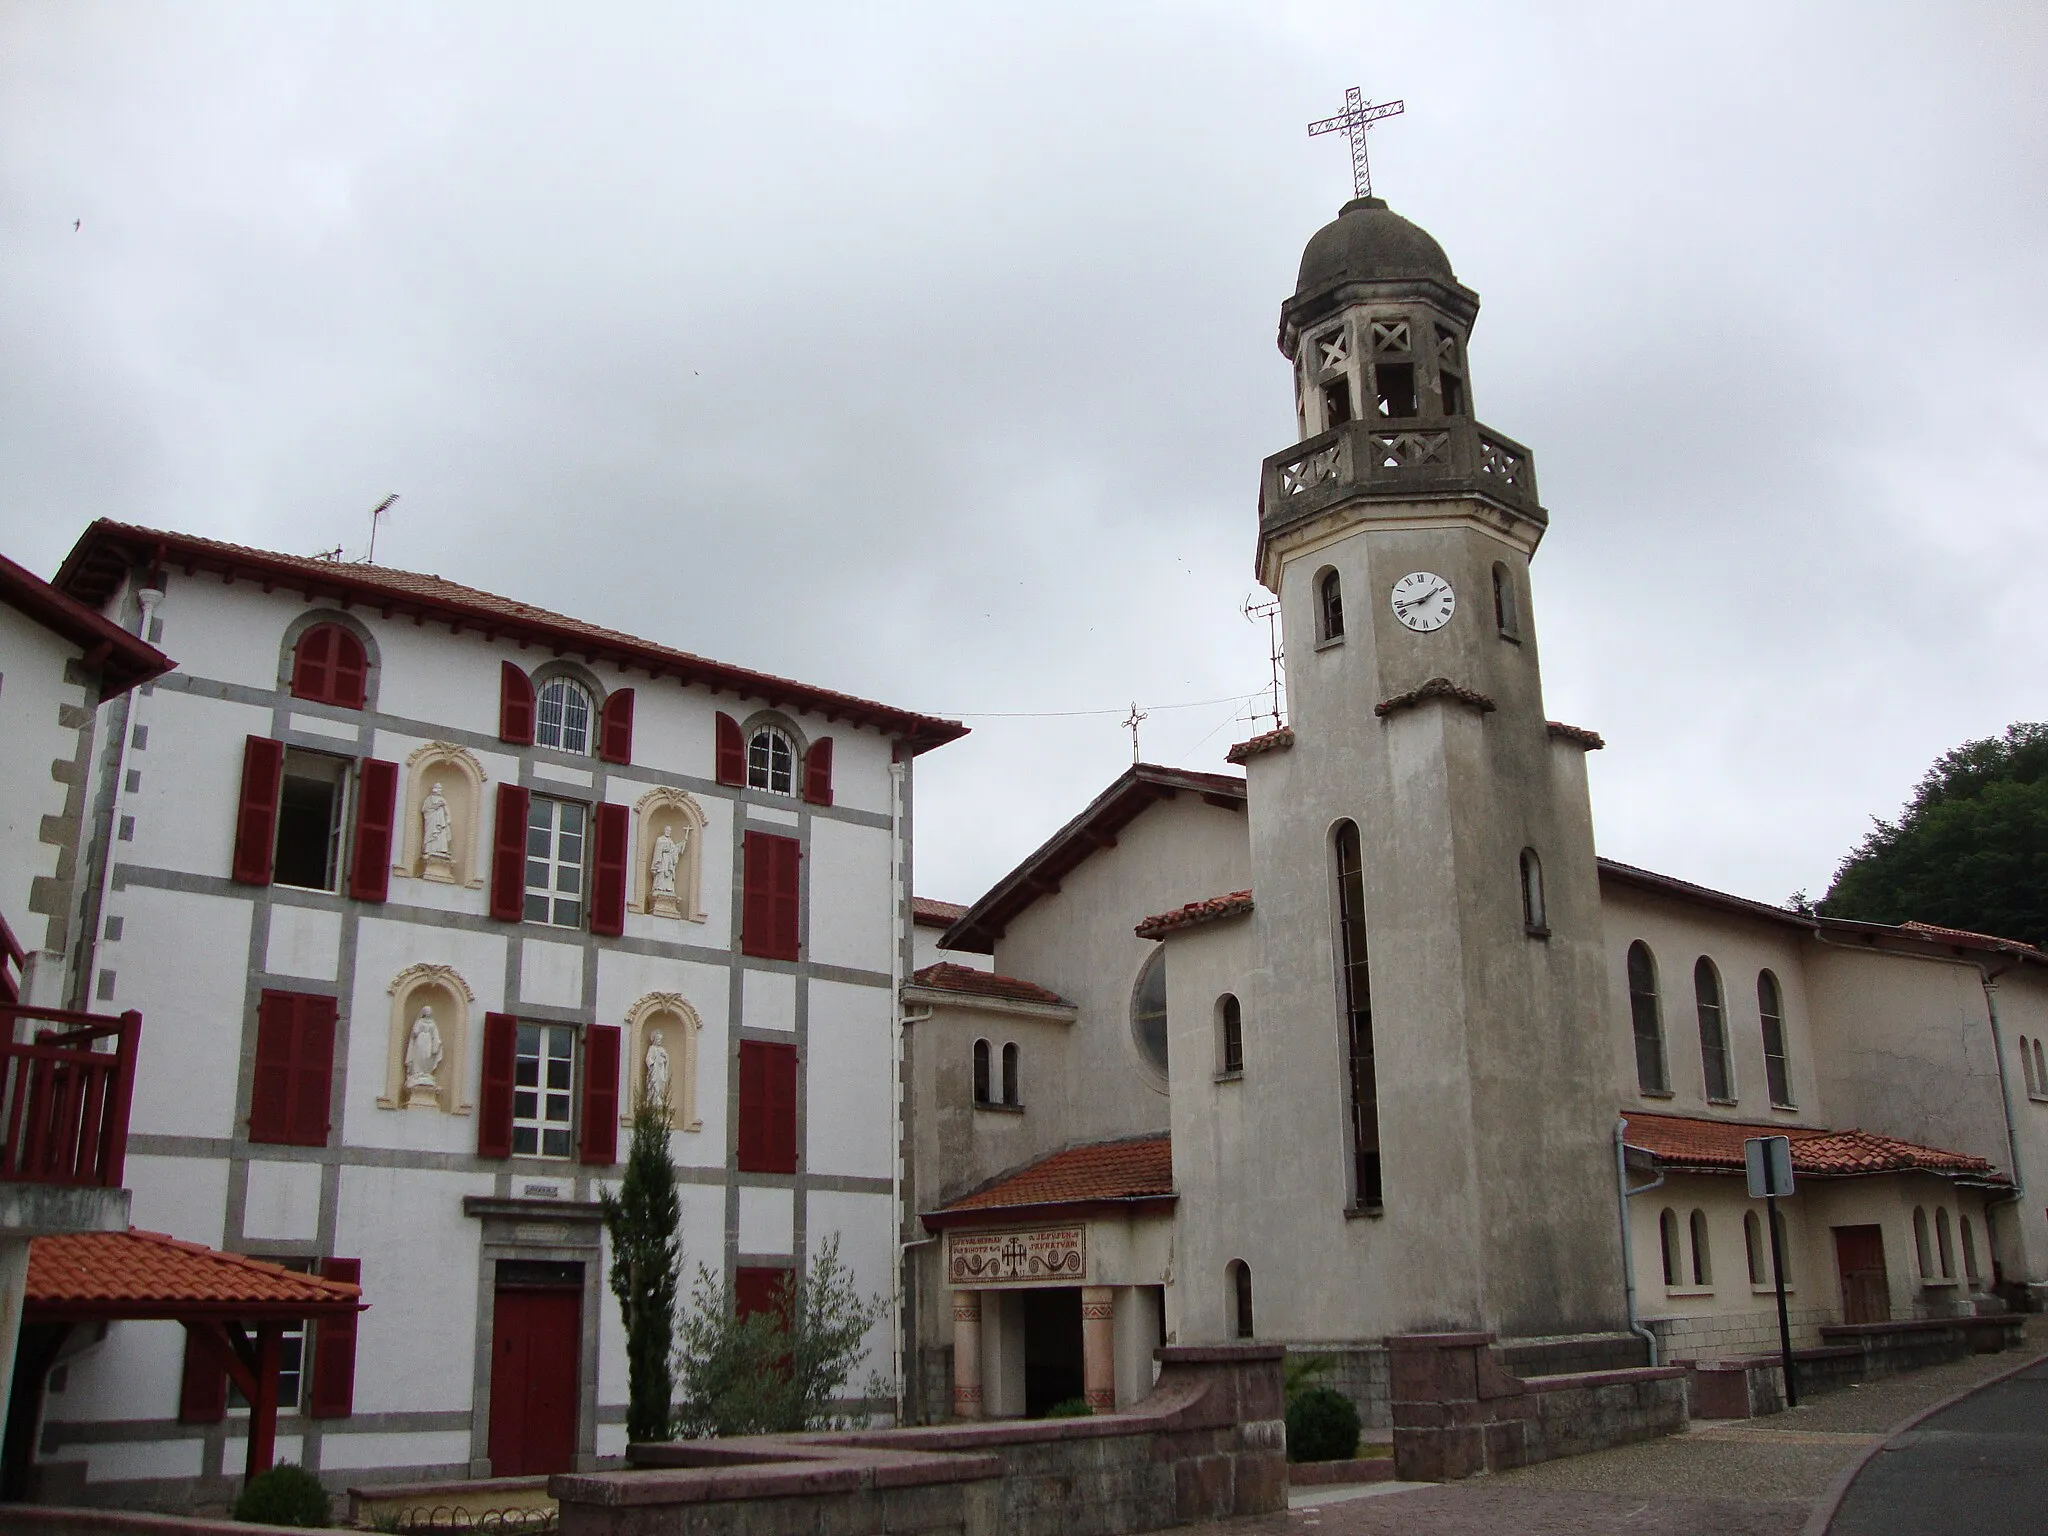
{"points": [[423, 1052], [437, 837], [668, 858], [654, 1079]]}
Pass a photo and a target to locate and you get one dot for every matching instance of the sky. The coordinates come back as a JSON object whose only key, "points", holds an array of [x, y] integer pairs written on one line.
{"points": [[926, 352]]}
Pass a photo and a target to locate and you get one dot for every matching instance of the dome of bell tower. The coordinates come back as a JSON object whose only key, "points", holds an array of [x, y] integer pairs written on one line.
{"points": [[1369, 243]]}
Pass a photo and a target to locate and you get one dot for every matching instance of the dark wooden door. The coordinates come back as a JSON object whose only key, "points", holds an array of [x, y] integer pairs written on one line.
{"points": [[534, 1348], [1866, 1288]]}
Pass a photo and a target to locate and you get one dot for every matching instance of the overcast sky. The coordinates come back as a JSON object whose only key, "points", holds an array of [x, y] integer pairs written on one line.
{"points": [[926, 351]]}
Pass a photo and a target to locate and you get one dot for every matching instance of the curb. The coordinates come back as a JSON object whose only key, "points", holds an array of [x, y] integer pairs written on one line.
{"points": [[1830, 1503]]}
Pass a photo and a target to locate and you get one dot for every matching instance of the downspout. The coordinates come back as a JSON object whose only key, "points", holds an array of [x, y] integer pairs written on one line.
{"points": [[131, 721], [899, 906], [1636, 1325]]}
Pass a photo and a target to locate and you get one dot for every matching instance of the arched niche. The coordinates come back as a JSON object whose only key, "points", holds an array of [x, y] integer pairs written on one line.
{"points": [[460, 777], [678, 815], [665, 1014], [440, 988]]}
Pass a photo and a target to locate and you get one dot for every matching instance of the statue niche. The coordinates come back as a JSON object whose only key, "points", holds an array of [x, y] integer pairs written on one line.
{"points": [[429, 1030], [667, 873], [443, 795], [661, 1058]]}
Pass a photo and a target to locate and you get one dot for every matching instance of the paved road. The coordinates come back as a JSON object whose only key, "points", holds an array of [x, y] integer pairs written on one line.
{"points": [[1979, 1468]]}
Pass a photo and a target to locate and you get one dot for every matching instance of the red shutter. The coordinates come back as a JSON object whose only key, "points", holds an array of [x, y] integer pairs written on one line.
{"points": [[294, 1069], [494, 1110], [508, 855], [256, 820], [782, 1109], [818, 772], [313, 664], [760, 1289], [369, 876], [203, 1393], [767, 1129], [615, 727], [768, 896], [732, 752], [351, 671], [601, 1093], [312, 1072], [334, 1351], [608, 872], [515, 705]]}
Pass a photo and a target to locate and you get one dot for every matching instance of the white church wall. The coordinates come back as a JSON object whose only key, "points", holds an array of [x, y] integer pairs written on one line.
{"points": [[186, 1064], [861, 1223], [32, 692], [858, 930], [848, 1032]]}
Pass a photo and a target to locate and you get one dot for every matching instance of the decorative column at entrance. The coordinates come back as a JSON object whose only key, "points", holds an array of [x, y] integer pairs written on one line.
{"points": [[1098, 1347], [967, 1354]]}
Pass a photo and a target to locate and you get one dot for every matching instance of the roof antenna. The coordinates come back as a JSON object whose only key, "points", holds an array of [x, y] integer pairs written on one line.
{"points": [[377, 512], [1269, 610]]}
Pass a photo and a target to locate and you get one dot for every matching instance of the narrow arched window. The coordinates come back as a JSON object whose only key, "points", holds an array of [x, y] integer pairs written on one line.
{"points": [[1770, 1007], [1702, 1252], [1922, 1249], [1355, 979], [562, 718], [1706, 991], [1647, 1019], [2040, 1071], [1945, 1242], [1329, 606], [330, 667], [1753, 1249], [1668, 1240], [1969, 1238], [1011, 1091], [1148, 1010], [1230, 1034], [981, 1072], [1534, 918], [771, 762], [1240, 1299], [1784, 1245], [1504, 602], [2027, 1066]]}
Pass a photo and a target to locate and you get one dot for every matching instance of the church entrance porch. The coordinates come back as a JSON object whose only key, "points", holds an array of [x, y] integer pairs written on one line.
{"points": [[1052, 1348]]}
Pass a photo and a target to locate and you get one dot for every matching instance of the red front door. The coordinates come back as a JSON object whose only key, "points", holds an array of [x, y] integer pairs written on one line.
{"points": [[1866, 1288], [534, 1338]]}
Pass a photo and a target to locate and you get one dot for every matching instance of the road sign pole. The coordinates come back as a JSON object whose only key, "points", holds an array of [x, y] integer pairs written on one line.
{"points": [[1784, 1324]]}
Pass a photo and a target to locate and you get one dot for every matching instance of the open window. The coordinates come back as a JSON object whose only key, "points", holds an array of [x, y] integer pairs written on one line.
{"points": [[984, 1073], [1535, 918], [1329, 607], [1012, 1088], [312, 808], [1504, 618], [1336, 403], [1450, 372], [1240, 1299]]}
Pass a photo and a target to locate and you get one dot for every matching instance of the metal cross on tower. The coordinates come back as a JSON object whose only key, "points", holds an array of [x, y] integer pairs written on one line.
{"points": [[1131, 723], [1358, 115]]}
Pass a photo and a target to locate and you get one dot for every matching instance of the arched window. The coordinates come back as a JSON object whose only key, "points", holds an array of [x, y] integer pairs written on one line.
{"points": [[2027, 1067], [1706, 991], [1969, 1253], [1504, 602], [1922, 1249], [329, 667], [1945, 1242], [1229, 1034], [1702, 1251], [771, 761], [1753, 1249], [1668, 1239], [1240, 1298], [1534, 918], [1770, 1007], [1010, 1088], [1648, 1020], [2040, 1071], [563, 716], [1329, 607], [981, 1072], [1148, 1010], [1355, 979]]}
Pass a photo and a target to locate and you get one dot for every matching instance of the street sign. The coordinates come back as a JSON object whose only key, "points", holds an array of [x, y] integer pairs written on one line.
{"points": [[1769, 1159]]}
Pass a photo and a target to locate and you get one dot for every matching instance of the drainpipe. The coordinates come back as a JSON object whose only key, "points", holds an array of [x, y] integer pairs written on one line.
{"points": [[1636, 1325], [131, 719], [898, 905]]}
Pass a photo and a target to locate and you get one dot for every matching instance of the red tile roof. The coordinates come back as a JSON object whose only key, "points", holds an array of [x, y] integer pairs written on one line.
{"points": [[1272, 741], [929, 913], [107, 551], [1215, 908], [1967, 937], [1435, 688], [969, 982], [1680, 1141], [135, 1274], [121, 660], [1578, 734], [1139, 1170]]}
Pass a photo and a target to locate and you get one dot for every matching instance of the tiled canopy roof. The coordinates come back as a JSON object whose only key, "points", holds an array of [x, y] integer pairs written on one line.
{"points": [[1272, 741], [927, 912], [121, 660], [1236, 904], [1679, 1141], [966, 980], [1577, 734], [136, 1274], [107, 551], [1139, 1172], [1435, 688]]}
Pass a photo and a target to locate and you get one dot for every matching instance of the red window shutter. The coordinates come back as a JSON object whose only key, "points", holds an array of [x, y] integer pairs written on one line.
{"points": [[494, 1107], [351, 671], [753, 1106], [601, 1093], [369, 877], [818, 772], [312, 1071], [768, 896], [270, 1094], [787, 853], [767, 1129], [608, 870], [732, 752], [256, 819], [515, 705], [615, 727], [782, 1108], [760, 1289], [334, 1351], [508, 855], [203, 1393], [313, 664]]}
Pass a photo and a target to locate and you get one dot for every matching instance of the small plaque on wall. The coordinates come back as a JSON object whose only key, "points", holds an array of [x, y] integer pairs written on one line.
{"points": [[1056, 1256]]}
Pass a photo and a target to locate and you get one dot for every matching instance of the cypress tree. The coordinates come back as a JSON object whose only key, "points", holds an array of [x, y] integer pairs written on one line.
{"points": [[642, 1219]]}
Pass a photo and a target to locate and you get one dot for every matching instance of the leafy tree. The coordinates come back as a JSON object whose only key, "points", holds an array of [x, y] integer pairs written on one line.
{"points": [[1970, 850], [775, 1371], [642, 1219]]}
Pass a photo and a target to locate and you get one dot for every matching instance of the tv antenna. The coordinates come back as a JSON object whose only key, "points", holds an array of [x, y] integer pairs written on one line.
{"points": [[1268, 609], [376, 514]]}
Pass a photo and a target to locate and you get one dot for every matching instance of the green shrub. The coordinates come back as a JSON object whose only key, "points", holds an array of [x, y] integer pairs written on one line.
{"points": [[285, 1495], [1070, 1408], [1322, 1425]]}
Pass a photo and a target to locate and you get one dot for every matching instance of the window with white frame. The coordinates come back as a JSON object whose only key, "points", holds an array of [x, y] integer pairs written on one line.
{"points": [[771, 762], [291, 1350], [543, 1090], [312, 807], [562, 718], [555, 835]]}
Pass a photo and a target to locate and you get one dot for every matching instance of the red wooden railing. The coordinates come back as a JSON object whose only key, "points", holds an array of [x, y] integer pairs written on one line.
{"points": [[13, 962], [63, 1099]]}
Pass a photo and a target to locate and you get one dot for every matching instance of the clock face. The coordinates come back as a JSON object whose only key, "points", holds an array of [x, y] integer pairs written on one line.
{"points": [[1424, 601]]}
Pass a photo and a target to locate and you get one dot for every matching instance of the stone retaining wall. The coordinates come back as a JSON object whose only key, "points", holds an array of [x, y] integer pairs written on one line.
{"points": [[1753, 1385]]}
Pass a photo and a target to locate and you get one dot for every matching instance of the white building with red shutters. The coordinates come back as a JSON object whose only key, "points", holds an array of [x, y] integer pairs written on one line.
{"points": [[417, 888]]}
